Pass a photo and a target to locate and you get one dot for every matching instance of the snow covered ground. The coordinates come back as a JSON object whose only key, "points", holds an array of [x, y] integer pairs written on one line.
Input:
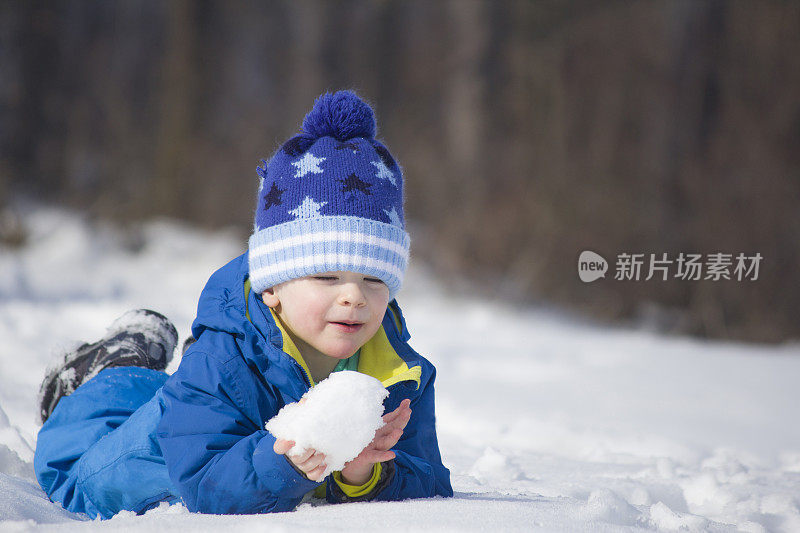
{"points": [[544, 421]]}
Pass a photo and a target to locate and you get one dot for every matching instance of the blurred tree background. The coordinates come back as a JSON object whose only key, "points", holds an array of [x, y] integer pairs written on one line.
{"points": [[528, 131]]}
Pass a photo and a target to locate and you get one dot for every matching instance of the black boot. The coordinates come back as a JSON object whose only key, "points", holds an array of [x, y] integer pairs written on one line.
{"points": [[138, 338]]}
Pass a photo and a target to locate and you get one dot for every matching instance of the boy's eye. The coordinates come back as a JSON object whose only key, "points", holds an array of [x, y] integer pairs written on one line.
{"points": [[333, 278]]}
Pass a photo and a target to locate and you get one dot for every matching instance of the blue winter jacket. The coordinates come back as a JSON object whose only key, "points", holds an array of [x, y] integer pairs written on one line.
{"points": [[241, 371]]}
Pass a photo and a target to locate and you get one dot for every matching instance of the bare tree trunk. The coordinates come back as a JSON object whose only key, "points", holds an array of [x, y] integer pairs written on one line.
{"points": [[464, 113], [178, 105]]}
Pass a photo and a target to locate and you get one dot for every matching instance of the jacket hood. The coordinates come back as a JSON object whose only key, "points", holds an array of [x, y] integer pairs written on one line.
{"points": [[220, 306]]}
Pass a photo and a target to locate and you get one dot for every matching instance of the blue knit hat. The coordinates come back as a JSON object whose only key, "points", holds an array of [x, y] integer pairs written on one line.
{"points": [[331, 198]]}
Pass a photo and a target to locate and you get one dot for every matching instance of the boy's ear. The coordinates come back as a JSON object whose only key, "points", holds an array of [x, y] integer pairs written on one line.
{"points": [[269, 298]]}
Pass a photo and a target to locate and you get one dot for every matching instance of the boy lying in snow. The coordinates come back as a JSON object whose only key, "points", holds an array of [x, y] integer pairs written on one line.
{"points": [[314, 294]]}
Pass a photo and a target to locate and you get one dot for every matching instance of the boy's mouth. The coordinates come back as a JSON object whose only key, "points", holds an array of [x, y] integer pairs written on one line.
{"points": [[348, 326]]}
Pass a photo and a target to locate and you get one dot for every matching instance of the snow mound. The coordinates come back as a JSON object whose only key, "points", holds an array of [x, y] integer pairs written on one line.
{"points": [[339, 418], [665, 519], [16, 455], [23, 505], [494, 467], [605, 505]]}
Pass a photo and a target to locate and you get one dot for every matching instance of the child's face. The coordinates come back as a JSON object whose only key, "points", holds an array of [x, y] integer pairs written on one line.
{"points": [[333, 313]]}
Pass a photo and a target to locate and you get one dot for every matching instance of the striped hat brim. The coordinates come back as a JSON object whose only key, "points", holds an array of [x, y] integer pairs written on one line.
{"points": [[304, 247]]}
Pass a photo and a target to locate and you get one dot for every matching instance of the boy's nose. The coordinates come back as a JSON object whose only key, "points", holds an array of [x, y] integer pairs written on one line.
{"points": [[351, 294]]}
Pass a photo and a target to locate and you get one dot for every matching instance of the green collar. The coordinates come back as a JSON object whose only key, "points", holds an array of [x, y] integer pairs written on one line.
{"points": [[351, 363]]}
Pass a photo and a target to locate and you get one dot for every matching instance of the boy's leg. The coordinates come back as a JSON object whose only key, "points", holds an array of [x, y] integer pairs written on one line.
{"points": [[70, 439], [69, 454]]}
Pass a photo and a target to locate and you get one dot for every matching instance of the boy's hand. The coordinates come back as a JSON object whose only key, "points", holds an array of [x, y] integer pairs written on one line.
{"points": [[359, 470], [311, 463]]}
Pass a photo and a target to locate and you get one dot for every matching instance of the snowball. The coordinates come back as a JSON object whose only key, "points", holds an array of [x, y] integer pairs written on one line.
{"points": [[338, 418]]}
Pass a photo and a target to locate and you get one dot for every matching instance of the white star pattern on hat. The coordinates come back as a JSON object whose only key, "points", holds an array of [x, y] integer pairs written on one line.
{"points": [[308, 209], [308, 163], [384, 172], [393, 217]]}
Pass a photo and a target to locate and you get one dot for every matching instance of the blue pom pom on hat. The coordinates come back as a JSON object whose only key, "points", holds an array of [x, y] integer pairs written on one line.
{"points": [[331, 198]]}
